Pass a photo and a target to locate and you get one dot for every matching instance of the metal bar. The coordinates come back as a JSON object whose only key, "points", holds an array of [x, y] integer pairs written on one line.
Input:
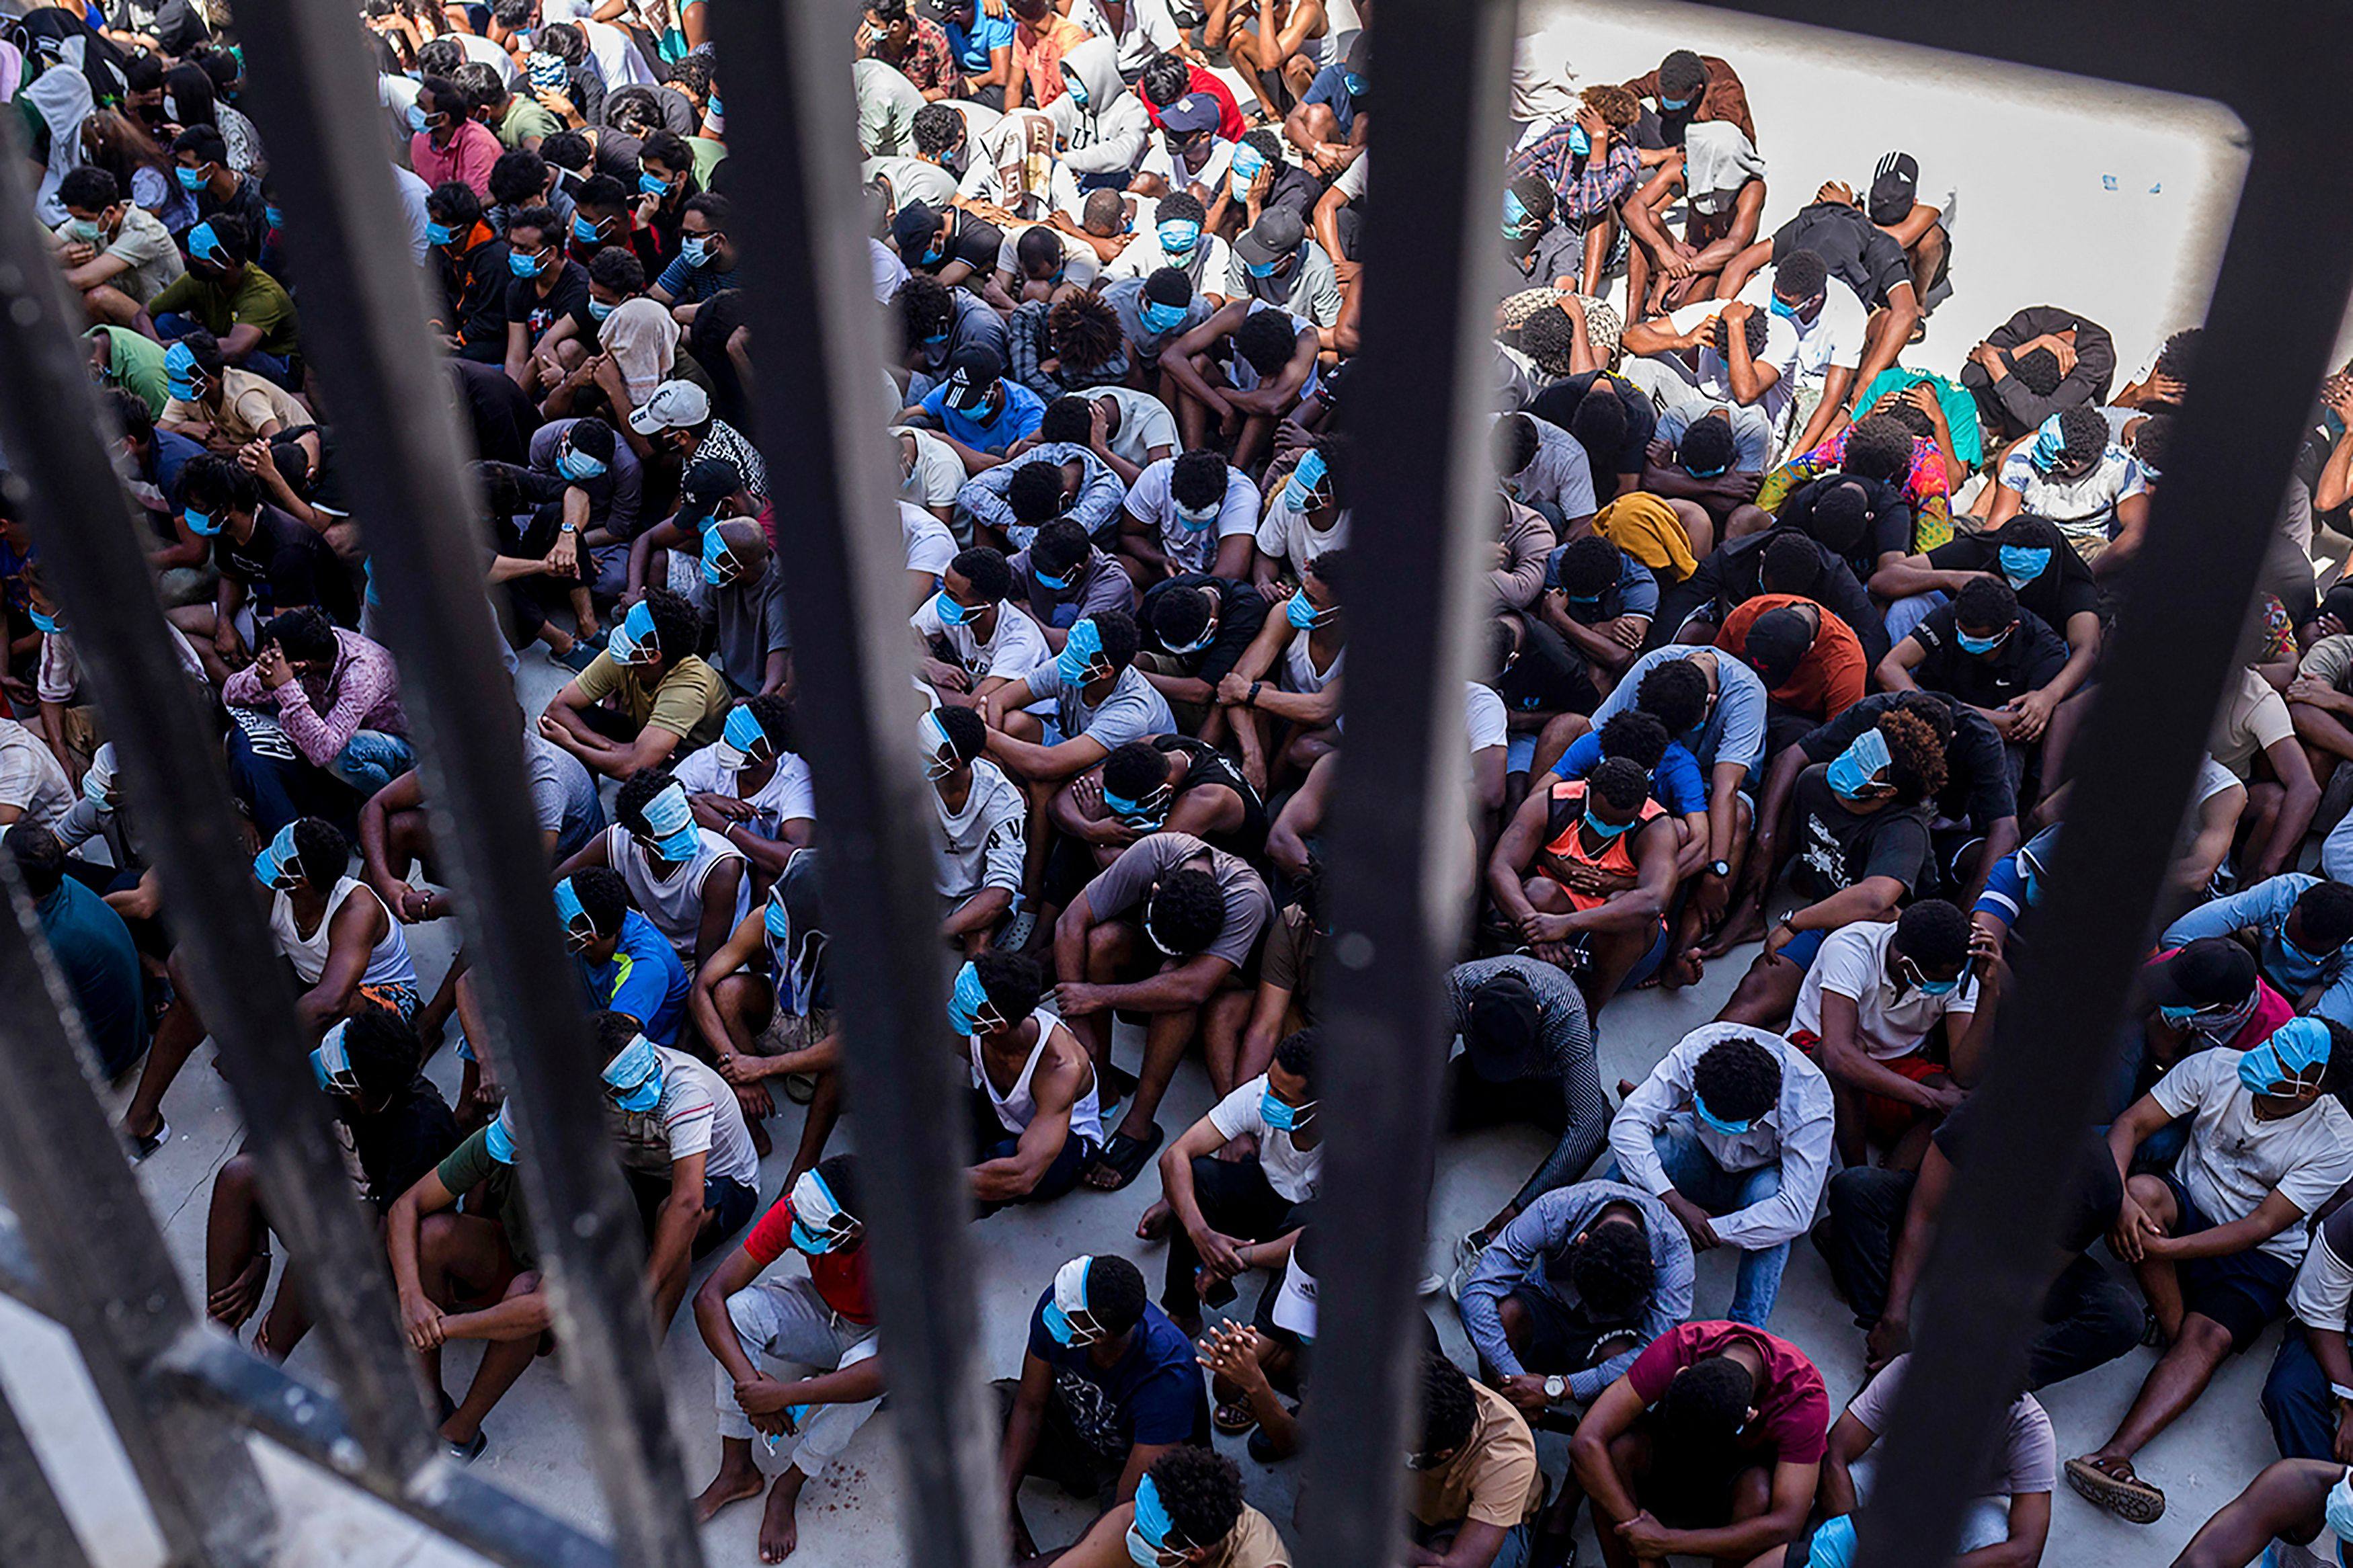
{"points": [[33, 1526], [404, 467], [1396, 858], [808, 285], [212, 1373], [102, 1265], [171, 762], [18, 1279]]}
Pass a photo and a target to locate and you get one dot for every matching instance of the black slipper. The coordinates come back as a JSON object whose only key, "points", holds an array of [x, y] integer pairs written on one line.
{"points": [[1125, 1157]]}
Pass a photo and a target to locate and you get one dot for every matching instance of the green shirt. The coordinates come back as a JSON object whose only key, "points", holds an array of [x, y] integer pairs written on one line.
{"points": [[1961, 408], [254, 299], [136, 362], [707, 155], [690, 701], [468, 1166], [526, 120]]}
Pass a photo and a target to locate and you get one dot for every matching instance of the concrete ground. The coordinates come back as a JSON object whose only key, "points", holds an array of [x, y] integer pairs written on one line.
{"points": [[2106, 200]]}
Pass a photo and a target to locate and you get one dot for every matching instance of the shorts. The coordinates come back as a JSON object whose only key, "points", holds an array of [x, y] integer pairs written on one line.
{"points": [[787, 1031], [396, 995], [2244, 1291], [1803, 946], [1564, 1340], [1883, 1120], [1519, 751]]}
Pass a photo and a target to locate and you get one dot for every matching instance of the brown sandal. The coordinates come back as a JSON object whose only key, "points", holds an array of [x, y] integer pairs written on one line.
{"points": [[1233, 1418], [2126, 1496]]}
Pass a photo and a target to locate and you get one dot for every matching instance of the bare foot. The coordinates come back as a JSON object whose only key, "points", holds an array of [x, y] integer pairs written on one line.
{"points": [[1748, 925], [779, 1530], [1154, 1224], [733, 1483], [1626, 1086], [1687, 968]]}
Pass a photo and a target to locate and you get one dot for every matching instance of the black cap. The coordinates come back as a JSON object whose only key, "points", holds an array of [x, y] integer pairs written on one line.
{"points": [[1502, 1038], [1777, 639], [1893, 187], [2211, 972], [971, 370], [912, 229], [1276, 235], [711, 481], [1191, 115]]}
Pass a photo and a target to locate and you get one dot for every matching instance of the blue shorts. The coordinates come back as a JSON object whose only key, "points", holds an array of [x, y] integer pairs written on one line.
{"points": [[1519, 751], [1804, 946]]}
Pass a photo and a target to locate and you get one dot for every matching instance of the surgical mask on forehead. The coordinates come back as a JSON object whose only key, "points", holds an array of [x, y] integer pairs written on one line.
{"points": [[939, 752]]}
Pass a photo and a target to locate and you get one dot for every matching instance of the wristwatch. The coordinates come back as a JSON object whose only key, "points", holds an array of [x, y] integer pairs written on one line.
{"points": [[567, 528], [1252, 701], [1555, 1386], [1719, 869]]}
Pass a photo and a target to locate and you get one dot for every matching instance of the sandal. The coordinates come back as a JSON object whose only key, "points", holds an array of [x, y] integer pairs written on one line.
{"points": [[800, 1087], [1124, 1157], [1233, 1418], [2126, 1496]]}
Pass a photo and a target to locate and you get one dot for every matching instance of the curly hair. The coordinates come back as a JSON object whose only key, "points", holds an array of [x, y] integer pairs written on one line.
{"points": [[1449, 1409], [1879, 447], [1612, 1270], [1755, 326], [1618, 108], [1201, 1490], [1739, 1079], [1916, 757], [1636, 736], [1083, 331]]}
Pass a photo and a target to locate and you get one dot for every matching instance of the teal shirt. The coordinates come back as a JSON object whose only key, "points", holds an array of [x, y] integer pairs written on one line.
{"points": [[100, 963], [1961, 408]]}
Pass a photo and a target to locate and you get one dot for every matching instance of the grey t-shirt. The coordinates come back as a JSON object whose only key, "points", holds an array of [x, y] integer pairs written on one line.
{"points": [[564, 799], [1134, 711], [1311, 289], [751, 626], [1121, 886]]}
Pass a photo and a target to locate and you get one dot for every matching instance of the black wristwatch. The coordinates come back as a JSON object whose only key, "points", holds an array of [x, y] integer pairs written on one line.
{"points": [[1719, 868], [1251, 699]]}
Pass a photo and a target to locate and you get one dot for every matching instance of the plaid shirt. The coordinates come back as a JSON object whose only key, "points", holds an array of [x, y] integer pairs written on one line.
{"points": [[928, 62], [1585, 187]]}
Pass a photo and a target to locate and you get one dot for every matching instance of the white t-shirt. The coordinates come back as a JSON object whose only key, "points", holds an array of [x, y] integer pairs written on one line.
{"points": [[981, 845], [1293, 1172], [1287, 535], [1483, 722], [1890, 1022], [789, 795], [937, 475], [2232, 1162], [480, 50], [1192, 549], [911, 180], [1079, 263], [1144, 422], [697, 1114], [1158, 160], [929, 545], [1835, 334], [1018, 647], [30, 779], [1713, 376]]}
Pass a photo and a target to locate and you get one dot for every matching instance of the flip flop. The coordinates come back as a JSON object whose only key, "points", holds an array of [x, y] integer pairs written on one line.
{"points": [[2128, 1497], [800, 1087], [1124, 1157], [1233, 1419]]}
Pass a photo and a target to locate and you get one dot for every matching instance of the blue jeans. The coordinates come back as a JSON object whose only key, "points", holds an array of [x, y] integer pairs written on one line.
{"points": [[1698, 1177], [1910, 610], [2298, 1401], [371, 760]]}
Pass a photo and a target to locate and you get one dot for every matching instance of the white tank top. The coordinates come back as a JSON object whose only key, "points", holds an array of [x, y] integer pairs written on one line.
{"points": [[674, 903], [389, 962], [1015, 1109], [1299, 666]]}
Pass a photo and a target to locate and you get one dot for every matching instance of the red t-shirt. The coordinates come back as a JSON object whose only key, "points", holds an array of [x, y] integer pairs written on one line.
{"points": [[1832, 675], [839, 1276], [1793, 1409], [1230, 124]]}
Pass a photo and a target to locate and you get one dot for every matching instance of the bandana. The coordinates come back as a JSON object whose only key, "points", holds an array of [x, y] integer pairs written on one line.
{"points": [[633, 1081], [672, 820], [275, 867]]}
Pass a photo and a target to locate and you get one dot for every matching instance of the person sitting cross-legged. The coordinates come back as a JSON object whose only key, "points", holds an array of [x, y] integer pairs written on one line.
{"points": [[1474, 1488], [2215, 1239], [821, 1325], [1188, 1512]]}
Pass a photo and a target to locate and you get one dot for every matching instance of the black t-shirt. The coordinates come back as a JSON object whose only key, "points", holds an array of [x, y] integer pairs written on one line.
{"points": [[1209, 768], [1857, 251], [1837, 848], [1557, 404], [974, 241], [538, 312], [1728, 577], [286, 565], [2027, 660], [475, 285], [2062, 589], [2095, 1193], [403, 1140], [1241, 613], [1550, 676], [244, 204], [1977, 775], [502, 414], [1888, 519]]}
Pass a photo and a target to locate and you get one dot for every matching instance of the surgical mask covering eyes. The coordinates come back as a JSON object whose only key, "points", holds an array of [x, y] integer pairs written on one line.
{"points": [[1068, 1319], [970, 1011], [1076, 664], [1579, 143], [1282, 1116], [2022, 565], [1208, 634], [1248, 163], [275, 866], [2049, 446], [1980, 645], [577, 465], [1178, 237], [939, 754], [1516, 223], [743, 731], [819, 1225], [1859, 765], [1152, 1540], [2296, 1054], [1306, 482], [719, 567], [633, 1080], [1710, 1120], [1162, 317]]}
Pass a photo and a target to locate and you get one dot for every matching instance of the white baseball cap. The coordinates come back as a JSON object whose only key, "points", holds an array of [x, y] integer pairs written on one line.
{"points": [[674, 405]]}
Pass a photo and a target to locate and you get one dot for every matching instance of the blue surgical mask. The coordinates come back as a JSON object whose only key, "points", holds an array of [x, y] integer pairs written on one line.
{"points": [[719, 567], [2286, 947], [1076, 664], [1261, 268], [1606, 831], [438, 233], [1859, 765], [1195, 522], [695, 250], [1162, 317], [1300, 491], [47, 625], [275, 867], [1579, 143], [1980, 645], [1781, 308], [633, 1080], [523, 264], [577, 465], [1926, 986], [774, 920], [2022, 565], [1675, 105], [201, 524], [1515, 217], [1076, 88], [653, 185], [84, 229], [598, 311], [1306, 615], [584, 231], [1178, 237], [966, 1000], [1710, 1120], [950, 612], [1282, 1116], [414, 118], [1052, 584], [190, 178], [1149, 813], [1151, 1533], [2339, 1511]]}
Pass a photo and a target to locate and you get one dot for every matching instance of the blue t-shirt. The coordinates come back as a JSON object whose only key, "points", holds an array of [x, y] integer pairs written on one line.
{"points": [[1022, 413], [1151, 1395], [1636, 592], [1331, 87], [643, 978], [2005, 892], [971, 49], [692, 284], [1676, 782]]}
